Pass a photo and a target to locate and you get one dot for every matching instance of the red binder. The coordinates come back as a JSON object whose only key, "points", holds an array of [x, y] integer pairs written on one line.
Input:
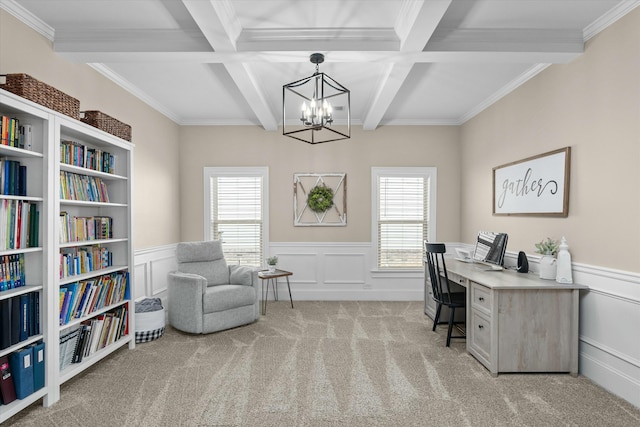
{"points": [[7, 389]]}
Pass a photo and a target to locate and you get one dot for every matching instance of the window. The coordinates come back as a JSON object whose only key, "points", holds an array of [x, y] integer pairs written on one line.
{"points": [[403, 215], [235, 212]]}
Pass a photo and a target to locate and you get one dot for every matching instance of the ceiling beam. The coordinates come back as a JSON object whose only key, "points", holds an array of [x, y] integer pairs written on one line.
{"points": [[148, 40], [508, 57], [415, 25], [322, 39], [220, 27], [505, 40]]}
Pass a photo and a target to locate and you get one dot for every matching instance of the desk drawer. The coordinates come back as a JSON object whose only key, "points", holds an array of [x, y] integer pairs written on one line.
{"points": [[480, 335], [453, 277], [481, 297]]}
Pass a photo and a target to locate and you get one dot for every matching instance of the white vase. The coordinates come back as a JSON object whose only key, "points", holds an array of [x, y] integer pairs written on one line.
{"points": [[272, 268], [548, 267]]}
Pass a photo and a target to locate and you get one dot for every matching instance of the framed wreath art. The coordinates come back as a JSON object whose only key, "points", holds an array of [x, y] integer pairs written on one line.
{"points": [[320, 199]]}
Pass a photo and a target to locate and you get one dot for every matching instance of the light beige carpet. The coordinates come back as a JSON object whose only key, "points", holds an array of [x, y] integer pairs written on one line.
{"points": [[321, 364]]}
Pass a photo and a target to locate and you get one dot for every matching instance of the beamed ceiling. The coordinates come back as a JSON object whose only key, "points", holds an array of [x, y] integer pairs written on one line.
{"points": [[406, 62]]}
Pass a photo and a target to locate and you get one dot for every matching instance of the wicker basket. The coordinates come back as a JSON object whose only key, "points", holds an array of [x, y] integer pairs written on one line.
{"points": [[41, 93], [107, 123]]}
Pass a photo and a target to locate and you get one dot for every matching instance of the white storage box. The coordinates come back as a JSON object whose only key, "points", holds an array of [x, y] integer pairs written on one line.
{"points": [[149, 324]]}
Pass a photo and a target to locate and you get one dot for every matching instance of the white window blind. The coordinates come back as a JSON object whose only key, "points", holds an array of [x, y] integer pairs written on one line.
{"points": [[403, 219], [236, 217]]}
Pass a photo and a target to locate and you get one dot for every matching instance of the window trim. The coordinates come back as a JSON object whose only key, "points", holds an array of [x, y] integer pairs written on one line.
{"points": [[261, 171], [376, 172]]}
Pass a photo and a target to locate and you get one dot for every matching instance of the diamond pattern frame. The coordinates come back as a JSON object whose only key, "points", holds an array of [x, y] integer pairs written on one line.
{"points": [[335, 216]]}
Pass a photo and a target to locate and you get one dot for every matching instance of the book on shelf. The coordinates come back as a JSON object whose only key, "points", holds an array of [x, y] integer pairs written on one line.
{"points": [[24, 317], [66, 295], [38, 365], [92, 335], [15, 134], [78, 352], [68, 342], [77, 154], [21, 364], [75, 261], [96, 333], [80, 299], [12, 271], [13, 177], [19, 224], [31, 314], [7, 388], [86, 188], [19, 318], [15, 320], [26, 135], [5, 323]]}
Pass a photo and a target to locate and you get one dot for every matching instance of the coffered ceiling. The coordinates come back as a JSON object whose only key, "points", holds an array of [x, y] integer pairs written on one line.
{"points": [[405, 61]]}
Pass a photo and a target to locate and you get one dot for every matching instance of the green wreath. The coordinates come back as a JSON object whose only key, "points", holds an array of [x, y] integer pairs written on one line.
{"points": [[320, 198]]}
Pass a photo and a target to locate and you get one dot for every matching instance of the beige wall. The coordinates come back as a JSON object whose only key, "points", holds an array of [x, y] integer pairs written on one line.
{"points": [[387, 146], [156, 212], [592, 105]]}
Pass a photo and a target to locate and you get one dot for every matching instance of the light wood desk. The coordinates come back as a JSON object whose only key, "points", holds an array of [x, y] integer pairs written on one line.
{"points": [[517, 322]]}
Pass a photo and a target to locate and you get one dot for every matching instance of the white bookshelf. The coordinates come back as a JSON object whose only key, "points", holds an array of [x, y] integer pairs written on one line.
{"points": [[42, 263], [36, 263]]}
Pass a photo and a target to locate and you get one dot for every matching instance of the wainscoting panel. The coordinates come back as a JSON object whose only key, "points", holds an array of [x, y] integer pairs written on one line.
{"points": [[609, 310], [151, 268], [305, 263], [341, 272], [609, 337], [347, 268]]}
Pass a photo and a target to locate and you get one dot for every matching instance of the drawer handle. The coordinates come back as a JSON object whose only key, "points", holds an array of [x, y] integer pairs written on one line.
{"points": [[481, 299], [480, 326]]}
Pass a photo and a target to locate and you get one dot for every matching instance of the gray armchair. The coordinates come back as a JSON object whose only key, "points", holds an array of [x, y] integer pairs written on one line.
{"points": [[206, 295]]}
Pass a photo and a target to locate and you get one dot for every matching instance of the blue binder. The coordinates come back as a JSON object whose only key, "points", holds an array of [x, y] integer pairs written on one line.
{"points": [[38, 366], [24, 317], [21, 363]]}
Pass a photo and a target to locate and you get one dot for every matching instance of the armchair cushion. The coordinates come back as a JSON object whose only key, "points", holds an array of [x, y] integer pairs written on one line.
{"points": [[225, 297], [240, 275], [205, 259]]}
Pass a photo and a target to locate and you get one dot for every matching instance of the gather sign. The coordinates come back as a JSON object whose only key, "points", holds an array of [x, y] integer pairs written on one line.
{"points": [[536, 185]]}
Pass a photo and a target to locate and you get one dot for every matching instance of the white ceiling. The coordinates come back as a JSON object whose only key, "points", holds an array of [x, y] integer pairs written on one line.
{"points": [[404, 61]]}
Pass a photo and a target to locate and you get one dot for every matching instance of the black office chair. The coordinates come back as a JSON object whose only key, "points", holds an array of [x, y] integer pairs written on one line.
{"points": [[441, 291]]}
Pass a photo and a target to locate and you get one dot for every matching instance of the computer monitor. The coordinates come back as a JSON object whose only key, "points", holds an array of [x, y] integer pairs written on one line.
{"points": [[490, 247]]}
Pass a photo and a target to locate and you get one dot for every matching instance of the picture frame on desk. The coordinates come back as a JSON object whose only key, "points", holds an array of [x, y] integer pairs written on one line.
{"points": [[535, 186]]}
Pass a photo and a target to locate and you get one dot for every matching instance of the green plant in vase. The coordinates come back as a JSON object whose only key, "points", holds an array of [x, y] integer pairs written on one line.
{"points": [[548, 249], [272, 261]]}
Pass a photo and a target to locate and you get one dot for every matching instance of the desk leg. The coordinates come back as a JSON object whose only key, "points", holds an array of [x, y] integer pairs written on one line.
{"points": [[275, 288], [288, 286], [264, 297]]}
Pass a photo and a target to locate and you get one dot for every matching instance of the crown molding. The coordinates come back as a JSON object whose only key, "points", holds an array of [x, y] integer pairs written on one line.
{"points": [[609, 18], [28, 18], [503, 91], [420, 122], [134, 90]]}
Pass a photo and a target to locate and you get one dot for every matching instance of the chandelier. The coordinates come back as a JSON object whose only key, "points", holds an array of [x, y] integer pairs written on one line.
{"points": [[319, 108]]}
